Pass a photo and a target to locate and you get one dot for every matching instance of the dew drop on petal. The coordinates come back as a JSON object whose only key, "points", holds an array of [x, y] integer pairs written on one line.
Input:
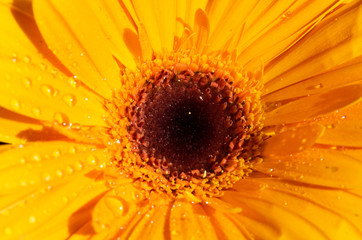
{"points": [[35, 157], [43, 66], [70, 99], [27, 59], [61, 118], [56, 153], [69, 169], [92, 160], [65, 199], [73, 82], [8, 231], [32, 219], [116, 205], [22, 160], [48, 90], [36, 112], [78, 165], [27, 82], [46, 177], [59, 173], [15, 104]]}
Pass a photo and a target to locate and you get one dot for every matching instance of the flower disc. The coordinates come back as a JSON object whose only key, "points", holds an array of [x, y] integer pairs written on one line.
{"points": [[190, 126]]}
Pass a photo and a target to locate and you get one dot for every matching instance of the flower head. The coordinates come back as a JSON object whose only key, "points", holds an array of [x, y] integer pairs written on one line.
{"points": [[179, 119]]}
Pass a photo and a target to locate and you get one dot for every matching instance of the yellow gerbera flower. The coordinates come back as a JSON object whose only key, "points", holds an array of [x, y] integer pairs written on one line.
{"points": [[168, 119]]}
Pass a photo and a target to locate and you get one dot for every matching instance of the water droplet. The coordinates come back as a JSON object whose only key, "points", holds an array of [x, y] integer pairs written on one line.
{"points": [[65, 199], [35, 157], [73, 82], [48, 91], [36, 112], [22, 160], [8, 231], [318, 86], [81, 54], [27, 59], [78, 165], [70, 99], [27, 82], [116, 205], [56, 153], [72, 150], [43, 66], [59, 173], [15, 104], [32, 219], [69, 47], [46, 177], [61, 118], [69, 169], [92, 160]]}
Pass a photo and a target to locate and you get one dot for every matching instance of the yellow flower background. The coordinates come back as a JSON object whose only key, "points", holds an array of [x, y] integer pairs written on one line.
{"points": [[61, 60]]}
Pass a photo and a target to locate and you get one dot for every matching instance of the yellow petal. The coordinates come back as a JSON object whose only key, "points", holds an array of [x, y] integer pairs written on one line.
{"points": [[225, 226], [275, 26], [16, 128], [342, 135], [292, 141], [159, 20], [201, 28], [49, 210], [323, 167], [329, 80], [118, 25], [31, 86], [314, 106], [268, 218], [40, 164], [185, 14], [188, 220], [344, 127], [226, 18], [334, 212], [334, 41], [36, 93], [74, 34], [48, 186]]}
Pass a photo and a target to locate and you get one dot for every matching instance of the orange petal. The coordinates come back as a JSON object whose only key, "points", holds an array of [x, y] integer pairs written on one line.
{"points": [[33, 88], [326, 81], [34, 92], [314, 106], [74, 33], [201, 28], [322, 167], [188, 220], [14, 127], [274, 26], [185, 14], [324, 211], [292, 141], [342, 135], [225, 226], [49, 183], [159, 20], [266, 218], [226, 18], [40, 164], [334, 41], [343, 127]]}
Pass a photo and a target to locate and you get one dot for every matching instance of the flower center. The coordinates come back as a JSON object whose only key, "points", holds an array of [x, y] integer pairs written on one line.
{"points": [[187, 127], [183, 123]]}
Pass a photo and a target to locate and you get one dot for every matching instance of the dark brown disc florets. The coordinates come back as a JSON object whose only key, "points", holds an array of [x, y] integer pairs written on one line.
{"points": [[188, 124]]}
